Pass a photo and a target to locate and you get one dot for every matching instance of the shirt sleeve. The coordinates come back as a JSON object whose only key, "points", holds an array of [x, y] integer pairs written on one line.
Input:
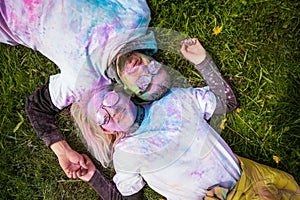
{"points": [[107, 190], [226, 101], [41, 112], [7, 36], [207, 101], [128, 183]]}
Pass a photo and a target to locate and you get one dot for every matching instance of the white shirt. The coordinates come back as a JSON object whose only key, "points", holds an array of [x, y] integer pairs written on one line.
{"points": [[175, 150], [81, 37]]}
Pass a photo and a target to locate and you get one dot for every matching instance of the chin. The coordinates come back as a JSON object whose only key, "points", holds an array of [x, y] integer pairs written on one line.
{"points": [[159, 91], [157, 94]]}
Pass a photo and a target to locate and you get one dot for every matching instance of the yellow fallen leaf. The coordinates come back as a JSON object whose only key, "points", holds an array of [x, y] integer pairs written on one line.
{"points": [[222, 125], [276, 159], [238, 110], [217, 30]]}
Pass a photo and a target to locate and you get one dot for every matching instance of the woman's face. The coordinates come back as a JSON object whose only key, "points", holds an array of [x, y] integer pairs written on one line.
{"points": [[144, 76], [116, 112]]}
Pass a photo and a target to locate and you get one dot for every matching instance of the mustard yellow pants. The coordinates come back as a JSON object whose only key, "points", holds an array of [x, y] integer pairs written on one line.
{"points": [[258, 182], [262, 182]]}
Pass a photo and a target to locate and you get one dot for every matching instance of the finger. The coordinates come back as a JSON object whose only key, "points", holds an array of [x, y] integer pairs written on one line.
{"points": [[69, 174], [190, 41], [195, 41], [74, 176], [74, 167], [86, 158], [183, 48], [83, 172], [210, 193], [79, 173], [185, 42], [84, 161]]}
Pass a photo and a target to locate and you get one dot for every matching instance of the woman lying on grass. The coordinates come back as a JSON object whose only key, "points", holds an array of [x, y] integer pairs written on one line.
{"points": [[82, 38], [169, 145]]}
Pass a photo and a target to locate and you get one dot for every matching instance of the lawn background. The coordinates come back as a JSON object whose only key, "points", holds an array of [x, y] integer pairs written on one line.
{"points": [[257, 51]]}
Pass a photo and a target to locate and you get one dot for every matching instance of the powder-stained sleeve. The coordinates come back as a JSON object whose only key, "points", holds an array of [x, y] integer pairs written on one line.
{"points": [[107, 190], [226, 100], [207, 101], [128, 183], [41, 113]]}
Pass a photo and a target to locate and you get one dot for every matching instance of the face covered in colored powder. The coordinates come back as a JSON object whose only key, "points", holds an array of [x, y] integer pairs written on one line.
{"points": [[143, 75], [113, 111]]}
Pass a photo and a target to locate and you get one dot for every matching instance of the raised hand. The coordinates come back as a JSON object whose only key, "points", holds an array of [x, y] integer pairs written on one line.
{"points": [[193, 51]]}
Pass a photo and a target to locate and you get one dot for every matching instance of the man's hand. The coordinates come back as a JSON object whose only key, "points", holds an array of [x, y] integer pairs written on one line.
{"points": [[216, 193], [91, 168], [73, 164], [70, 161], [193, 51]]}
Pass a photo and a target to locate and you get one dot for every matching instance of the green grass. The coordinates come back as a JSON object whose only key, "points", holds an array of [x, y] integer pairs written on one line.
{"points": [[257, 51]]}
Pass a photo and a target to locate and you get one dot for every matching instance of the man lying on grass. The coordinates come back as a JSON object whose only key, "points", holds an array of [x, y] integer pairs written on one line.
{"points": [[169, 144]]}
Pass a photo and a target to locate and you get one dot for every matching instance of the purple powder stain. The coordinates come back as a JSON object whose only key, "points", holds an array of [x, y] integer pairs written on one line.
{"points": [[197, 173], [99, 37], [70, 99]]}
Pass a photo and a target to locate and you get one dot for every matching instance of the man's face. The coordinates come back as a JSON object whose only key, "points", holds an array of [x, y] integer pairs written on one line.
{"points": [[142, 75]]}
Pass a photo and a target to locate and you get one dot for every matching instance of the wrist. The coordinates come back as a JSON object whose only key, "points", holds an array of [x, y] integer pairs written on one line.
{"points": [[201, 59], [95, 177], [60, 148]]}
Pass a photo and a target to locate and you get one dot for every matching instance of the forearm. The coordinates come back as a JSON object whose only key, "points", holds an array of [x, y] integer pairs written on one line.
{"points": [[107, 190], [41, 112], [60, 148], [226, 100]]}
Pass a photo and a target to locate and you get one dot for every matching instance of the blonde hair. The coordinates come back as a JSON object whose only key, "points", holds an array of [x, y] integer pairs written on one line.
{"points": [[100, 143]]}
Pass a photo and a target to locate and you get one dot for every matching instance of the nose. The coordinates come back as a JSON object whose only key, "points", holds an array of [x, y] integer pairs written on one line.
{"points": [[114, 110], [133, 60]]}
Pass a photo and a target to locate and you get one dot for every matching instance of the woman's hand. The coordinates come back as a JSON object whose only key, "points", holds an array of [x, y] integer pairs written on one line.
{"points": [[193, 51], [70, 161], [91, 168]]}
